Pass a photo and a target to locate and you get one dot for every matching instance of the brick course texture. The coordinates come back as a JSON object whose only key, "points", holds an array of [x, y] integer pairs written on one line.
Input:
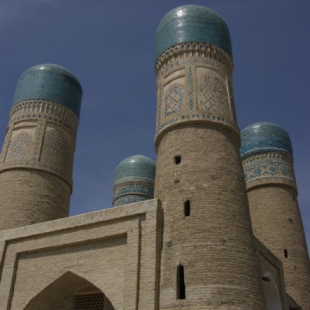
{"points": [[277, 224], [214, 243]]}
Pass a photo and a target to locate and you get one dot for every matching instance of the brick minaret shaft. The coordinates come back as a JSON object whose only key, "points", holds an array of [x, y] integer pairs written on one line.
{"points": [[37, 155], [275, 214], [208, 257]]}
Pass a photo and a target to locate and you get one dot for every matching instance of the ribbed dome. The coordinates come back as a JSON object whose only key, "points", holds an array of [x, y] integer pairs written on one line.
{"points": [[50, 82], [137, 166], [262, 137], [192, 23]]}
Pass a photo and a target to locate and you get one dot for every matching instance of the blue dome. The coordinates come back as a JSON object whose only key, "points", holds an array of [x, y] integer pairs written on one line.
{"points": [[192, 23], [261, 137], [50, 82], [137, 166]]}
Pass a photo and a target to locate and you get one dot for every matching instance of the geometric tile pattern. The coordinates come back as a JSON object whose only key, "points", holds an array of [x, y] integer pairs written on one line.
{"points": [[268, 167], [52, 147], [205, 96], [56, 148], [212, 95], [132, 190], [89, 301], [19, 147], [173, 99]]}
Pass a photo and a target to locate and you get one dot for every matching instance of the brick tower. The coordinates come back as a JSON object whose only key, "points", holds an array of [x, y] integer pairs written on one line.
{"points": [[208, 258], [268, 166], [37, 155]]}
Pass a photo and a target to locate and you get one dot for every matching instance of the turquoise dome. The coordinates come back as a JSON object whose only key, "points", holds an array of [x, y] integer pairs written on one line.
{"points": [[192, 23], [50, 82], [264, 137], [134, 180], [137, 166]]}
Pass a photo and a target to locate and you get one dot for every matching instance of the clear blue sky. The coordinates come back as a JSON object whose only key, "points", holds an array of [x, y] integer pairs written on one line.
{"points": [[109, 46]]}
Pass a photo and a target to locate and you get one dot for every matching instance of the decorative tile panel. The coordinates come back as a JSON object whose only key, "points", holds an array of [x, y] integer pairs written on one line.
{"points": [[268, 167], [174, 99], [19, 147], [212, 93], [132, 190]]}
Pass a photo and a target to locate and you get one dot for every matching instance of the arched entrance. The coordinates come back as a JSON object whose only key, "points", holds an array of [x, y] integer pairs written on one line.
{"points": [[272, 297], [70, 292]]}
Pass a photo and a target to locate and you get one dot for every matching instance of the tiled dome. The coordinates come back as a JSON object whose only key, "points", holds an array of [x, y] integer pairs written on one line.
{"points": [[50, 82], [192, 23], [261, 137], [134, 180]]}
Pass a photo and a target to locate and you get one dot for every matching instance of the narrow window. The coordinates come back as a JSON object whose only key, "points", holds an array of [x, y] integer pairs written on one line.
{"points": [[285, 253], [180, 283], [187, 208], [291, 221], [177, 159]]}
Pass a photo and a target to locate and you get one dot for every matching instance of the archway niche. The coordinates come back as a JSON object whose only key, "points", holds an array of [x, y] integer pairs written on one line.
{"points": [[272, 297], [70, 292]]}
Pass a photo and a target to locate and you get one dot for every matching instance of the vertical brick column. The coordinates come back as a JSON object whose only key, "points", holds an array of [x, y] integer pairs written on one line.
{"points": [[208, 256], [37, 156], [268, 167]]}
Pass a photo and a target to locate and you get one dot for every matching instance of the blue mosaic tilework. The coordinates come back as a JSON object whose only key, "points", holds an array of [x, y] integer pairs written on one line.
{"points": [[137, 166], [190, 90], [264, 137], [124, 200], [266, 167], [134, 186], [134, 178], [174, 99], [192, 23], [50, 82]]}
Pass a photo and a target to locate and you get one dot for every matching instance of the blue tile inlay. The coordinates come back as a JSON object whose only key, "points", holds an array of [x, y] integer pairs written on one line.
{"points": [[50, 82], [137, 166], [262, 137], [192, 23]]}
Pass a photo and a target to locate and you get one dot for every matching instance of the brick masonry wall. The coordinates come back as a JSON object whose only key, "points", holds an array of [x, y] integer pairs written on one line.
{"points": [[30, 196], [277, 224], [214, 243], [115, 251], [36, 163]]}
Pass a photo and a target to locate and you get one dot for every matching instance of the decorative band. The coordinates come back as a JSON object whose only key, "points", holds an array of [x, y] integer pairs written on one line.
{"points": [[134, 187], [44, 109], [269, 167], [198, 49]]}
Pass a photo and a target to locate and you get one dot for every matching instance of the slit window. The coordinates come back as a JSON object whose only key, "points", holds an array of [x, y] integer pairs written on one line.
{"points": [[285, 253], [180, 283], [187, 208], [177, 159]]}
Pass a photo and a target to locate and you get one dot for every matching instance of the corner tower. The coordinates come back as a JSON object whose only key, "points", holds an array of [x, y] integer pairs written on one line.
{"points": [[208, 257], [269, 173], [134, 180], [37, 156]]}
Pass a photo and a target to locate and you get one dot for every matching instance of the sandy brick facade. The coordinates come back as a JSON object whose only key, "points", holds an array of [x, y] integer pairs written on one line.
{"points": [[115, 251]]}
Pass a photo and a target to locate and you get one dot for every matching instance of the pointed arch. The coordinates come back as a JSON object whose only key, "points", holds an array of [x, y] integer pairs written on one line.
{"points": [[272, 298], [70, 292]]}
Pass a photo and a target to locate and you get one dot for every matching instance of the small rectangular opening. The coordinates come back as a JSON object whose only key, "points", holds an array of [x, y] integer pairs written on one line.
{"points": [[177, 159], [285, 253], [187, 208], [180, 283]]}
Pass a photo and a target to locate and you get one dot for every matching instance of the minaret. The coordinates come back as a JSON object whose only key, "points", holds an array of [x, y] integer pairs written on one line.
{"points": [[268, 167], [134, 180], [208, 257], [37, 155]]}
